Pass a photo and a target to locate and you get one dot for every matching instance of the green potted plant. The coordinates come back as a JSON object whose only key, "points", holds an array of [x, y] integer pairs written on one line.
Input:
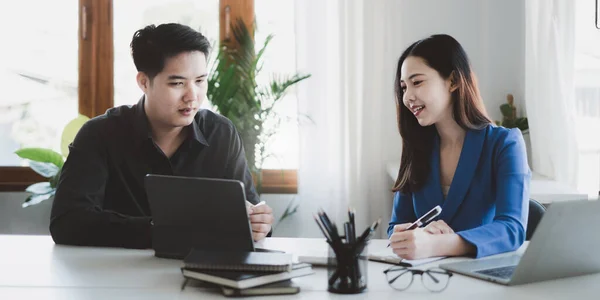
{"points": [[509, 116], [48, 163], [234, 92]]}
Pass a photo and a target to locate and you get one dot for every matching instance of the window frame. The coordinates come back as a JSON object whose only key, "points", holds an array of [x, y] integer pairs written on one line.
{"points": [[96, 86]]}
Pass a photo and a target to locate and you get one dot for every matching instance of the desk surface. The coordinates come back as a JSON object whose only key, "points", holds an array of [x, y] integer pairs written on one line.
{"points": [[34, 267]]}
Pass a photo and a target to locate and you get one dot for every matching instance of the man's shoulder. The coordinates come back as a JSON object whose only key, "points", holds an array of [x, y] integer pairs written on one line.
{"points": [[120, 113], [114, 120], [210, 121]]}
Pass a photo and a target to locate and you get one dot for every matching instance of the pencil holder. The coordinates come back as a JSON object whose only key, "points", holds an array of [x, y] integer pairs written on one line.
{"points": [[347, 268], [347, 260]]}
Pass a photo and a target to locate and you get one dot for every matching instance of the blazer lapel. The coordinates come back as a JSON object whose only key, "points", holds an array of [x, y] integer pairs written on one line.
{"points": [[431, 193], [467, 165]]}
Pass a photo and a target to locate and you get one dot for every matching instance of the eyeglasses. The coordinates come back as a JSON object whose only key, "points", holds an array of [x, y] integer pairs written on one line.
{"points": [[433, 279]]}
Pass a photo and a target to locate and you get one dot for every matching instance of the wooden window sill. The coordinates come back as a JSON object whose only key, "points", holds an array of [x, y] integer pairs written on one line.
{"points": [[280, 182], [16, 179]]}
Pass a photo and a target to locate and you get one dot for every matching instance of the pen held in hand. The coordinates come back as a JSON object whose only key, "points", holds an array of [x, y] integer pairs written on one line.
{"points": [[423, 220]]}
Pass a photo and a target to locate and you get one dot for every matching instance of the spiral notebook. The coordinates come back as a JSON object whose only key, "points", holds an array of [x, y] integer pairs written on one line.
{"points": [[238, 261], [286, 287], [244, 280]]}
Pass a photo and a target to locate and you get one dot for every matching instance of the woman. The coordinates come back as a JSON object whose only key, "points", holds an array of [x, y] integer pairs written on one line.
{"points": [[454, 156]]}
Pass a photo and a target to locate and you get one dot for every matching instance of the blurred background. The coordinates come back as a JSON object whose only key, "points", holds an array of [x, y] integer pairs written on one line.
{"points": [[333, 141]]}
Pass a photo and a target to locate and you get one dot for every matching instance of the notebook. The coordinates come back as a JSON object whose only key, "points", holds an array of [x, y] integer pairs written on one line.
{"points": [[314, 260], [388, 256], [238, 261], [244, 280], [315, 257], [278, 288]]}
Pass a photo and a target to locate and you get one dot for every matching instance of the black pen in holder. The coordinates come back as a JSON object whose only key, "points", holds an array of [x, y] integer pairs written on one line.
{"points": [[347, 261], [346, 269]]}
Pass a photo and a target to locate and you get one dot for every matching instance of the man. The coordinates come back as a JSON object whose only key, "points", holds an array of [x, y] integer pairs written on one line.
{"points": [[100, 198]]}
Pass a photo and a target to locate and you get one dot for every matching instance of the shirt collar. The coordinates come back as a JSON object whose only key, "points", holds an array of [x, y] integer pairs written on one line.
{"points": [[143, 131]]}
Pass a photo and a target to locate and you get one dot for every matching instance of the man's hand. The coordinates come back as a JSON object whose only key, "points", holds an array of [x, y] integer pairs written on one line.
{"points": [[261, 218]]}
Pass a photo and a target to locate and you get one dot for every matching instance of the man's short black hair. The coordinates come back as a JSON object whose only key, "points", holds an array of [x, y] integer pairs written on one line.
{"points": [[153, 45]]}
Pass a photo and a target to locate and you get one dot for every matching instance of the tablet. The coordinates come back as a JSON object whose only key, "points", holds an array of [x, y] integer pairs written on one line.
{"points": [[201, 213]]}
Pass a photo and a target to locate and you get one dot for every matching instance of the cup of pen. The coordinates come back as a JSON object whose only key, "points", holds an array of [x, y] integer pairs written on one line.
{"points": [[347, 261], [346, 270]]}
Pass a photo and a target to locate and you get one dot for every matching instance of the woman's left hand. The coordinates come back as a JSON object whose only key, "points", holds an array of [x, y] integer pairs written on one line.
{"points": [[438, 227], [413, 244]]}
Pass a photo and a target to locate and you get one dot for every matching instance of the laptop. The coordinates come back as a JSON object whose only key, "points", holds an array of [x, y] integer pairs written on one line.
{"points": [[201, 213], [565, 244]]}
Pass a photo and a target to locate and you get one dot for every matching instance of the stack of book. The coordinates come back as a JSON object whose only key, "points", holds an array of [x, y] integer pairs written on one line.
{"points": [[242, 273]]}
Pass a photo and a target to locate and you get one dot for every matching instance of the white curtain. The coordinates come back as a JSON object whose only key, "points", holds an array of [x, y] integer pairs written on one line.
{"points": [[549, 58], [349, 100]]}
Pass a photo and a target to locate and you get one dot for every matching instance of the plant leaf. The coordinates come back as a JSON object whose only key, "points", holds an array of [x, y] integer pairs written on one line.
{"points": [[37, 198], [69, 133], [506, 110], [291, 209], [39, 188], [41, 155], [45, 169], [54, 179]]}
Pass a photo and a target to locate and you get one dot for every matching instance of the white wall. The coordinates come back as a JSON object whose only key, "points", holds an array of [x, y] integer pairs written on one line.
{"points": [[492, 33]]}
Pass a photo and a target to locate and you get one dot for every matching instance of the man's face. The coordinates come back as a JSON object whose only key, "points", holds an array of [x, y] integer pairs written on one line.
{"points": [[174, 95]]}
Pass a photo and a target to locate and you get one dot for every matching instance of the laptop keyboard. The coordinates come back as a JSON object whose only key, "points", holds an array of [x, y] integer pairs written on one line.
{"points": [[502, 272]]}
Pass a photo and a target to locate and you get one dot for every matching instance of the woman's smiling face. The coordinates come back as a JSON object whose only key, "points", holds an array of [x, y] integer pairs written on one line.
{"points": [[425, 93]]}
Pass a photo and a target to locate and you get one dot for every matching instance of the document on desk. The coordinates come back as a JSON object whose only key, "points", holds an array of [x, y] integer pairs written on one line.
{"points": [[315, 257], [388, 256], [319, 258]]}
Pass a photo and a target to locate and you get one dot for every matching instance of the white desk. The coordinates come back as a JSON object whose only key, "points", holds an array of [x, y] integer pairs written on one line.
{"points": [[32, 267]]}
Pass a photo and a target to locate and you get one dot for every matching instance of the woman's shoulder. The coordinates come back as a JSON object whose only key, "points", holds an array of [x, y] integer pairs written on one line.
{"points": [[502, 135], [502, 141]]}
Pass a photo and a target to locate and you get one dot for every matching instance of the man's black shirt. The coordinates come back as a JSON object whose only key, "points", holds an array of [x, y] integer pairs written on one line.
{"points": [[100, 198]]}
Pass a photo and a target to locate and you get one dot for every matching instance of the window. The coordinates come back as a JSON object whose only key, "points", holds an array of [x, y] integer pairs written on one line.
{"points": [[55, 67], [277, 17], [587, 95], [39, 81]]}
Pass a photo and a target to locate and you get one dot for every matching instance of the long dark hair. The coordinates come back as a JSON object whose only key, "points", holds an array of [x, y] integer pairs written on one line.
{"points": [[445, 55]]}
